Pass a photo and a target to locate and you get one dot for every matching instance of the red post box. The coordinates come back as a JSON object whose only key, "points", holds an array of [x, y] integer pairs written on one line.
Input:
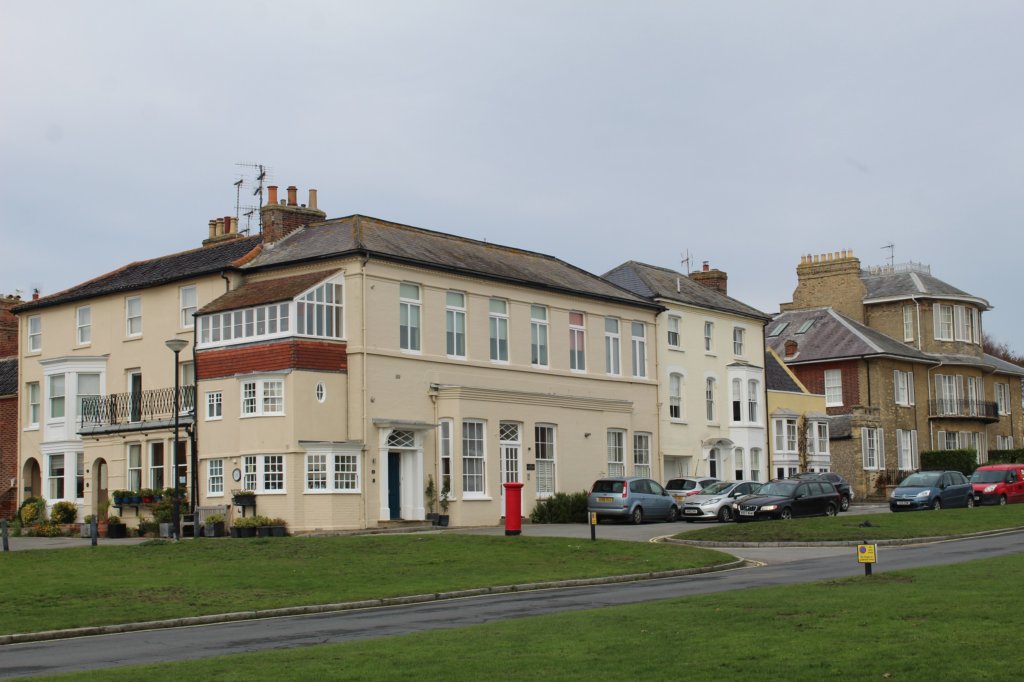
{"points": [[513, 508]]}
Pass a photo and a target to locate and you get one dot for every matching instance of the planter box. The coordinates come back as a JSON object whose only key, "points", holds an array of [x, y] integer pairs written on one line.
{"points": [[263, 531], [236, 532], [86, 529], [442, 520], [278, 531], [247, 532], [166, 530], [117, 530], [244, 500], [215, 530]]}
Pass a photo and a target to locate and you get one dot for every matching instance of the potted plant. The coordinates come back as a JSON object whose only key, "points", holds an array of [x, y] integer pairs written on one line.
{"points": [[244, 498], [442, 519], [246, 527], [262, 524], [119, 497], [278, 527], [86, 527], [430, 493], [116, 529], [146, 495], [215, 526]]}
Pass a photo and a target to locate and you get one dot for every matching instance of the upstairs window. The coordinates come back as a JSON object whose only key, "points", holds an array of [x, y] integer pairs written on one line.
{"points": [[320, 312], [908, 323], [833, 388], [455, 324], [35, 334], [262, 397], [674, 340], [709, 335], [753, 392], [239, 326], [903, 387], [33, 403], [709, 398], [675, 396], [639, 349], [187, 306], [577, 343], [133, 315], [498, 322], [1003, 398], [738, 335], [943, 317], [409, 317], [538, 336], [83, 325], [56, 395], [612, 346]]}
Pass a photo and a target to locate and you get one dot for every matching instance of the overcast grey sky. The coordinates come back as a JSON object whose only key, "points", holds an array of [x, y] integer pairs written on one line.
{"points": [[744, 133]]}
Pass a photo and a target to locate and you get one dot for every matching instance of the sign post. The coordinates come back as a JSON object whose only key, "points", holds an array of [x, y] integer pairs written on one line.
{"points": [[593, 525], [866, 555]]}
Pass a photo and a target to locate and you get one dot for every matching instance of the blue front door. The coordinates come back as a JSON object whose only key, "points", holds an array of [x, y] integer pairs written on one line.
{"points": [[395, 484]]}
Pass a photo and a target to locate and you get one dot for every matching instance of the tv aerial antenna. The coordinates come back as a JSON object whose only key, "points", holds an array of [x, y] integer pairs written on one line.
{"points": [[252, 178], [892, 254]]}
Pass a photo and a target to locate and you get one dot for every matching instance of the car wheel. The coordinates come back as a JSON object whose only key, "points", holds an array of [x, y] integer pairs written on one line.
{"points": [[673, 514], [970, 501], [1002, 500], [937, 504], [844, 504], [830, 510], [638, 516], [725, 514], [786, 514]]}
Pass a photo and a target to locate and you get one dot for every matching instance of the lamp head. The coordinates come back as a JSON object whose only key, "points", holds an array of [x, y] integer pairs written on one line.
{"points": [[176, 345]]}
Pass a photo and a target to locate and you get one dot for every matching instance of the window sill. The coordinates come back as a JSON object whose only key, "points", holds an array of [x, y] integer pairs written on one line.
{"points": [[79, 346], [132, 338], [254, 416], [485, 498], [214, 419], [681, 422], [34, 427], [332, 492]]}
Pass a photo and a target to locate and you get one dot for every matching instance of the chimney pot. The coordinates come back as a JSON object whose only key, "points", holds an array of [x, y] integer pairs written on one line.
{"points": [[220, 226], [707, 266], [213, 228], [272, 194], [312, 198], [35, 294], [292, 198]]}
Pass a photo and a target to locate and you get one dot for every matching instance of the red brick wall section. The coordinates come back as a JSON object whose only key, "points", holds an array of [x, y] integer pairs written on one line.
{"points": [[8, 327], [8, 456], [327, 356], [813, 377]]}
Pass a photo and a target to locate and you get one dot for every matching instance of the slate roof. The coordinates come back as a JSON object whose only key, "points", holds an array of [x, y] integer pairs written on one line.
{"points": [[266, 291], [776, 377], [832, 336], [358, 234], [880, 285], [153, 272], [653, 282], [9, 376], [840, 426]]}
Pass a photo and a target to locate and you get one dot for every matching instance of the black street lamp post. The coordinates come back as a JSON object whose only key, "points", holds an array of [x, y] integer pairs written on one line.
{"points": [[176, 346]]}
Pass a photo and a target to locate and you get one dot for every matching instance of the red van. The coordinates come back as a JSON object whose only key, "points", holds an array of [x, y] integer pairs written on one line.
{"points": [[998, 484]]}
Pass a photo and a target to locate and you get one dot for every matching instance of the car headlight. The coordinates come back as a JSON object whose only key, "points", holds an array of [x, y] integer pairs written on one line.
{"points": [[713, 500], [770, 507], [924, 493], [990, 489]]}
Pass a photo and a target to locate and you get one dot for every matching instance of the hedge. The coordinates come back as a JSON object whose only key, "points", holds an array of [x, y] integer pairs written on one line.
{"points": [[965, 461], [1006, 456], [561, 508]]}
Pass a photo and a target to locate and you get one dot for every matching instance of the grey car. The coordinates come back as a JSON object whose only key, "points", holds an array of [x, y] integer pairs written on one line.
{"points": [[631, 498], [681, 488], [715, 501]]}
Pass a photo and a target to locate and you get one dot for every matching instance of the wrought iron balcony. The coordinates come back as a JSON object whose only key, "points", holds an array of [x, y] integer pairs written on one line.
{"points": [[137, 411], [963, 409]]}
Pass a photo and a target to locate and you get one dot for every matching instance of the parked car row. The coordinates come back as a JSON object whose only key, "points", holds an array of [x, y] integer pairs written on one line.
{"points": [[989, 484]]}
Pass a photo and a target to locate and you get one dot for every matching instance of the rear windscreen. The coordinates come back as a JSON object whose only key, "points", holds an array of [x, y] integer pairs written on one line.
{"points": [[608, 486]]}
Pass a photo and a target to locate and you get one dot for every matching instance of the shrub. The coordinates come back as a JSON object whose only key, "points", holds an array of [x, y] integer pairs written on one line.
{"points": [[32, 510], [1006, 456], [965, 461], [46, 529], [64, 512], [561, 508], [215, 518], [147, 527], [114, 518]]}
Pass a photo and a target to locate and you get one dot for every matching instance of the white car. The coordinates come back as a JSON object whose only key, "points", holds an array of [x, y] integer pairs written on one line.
{"points": [[715, 501]]}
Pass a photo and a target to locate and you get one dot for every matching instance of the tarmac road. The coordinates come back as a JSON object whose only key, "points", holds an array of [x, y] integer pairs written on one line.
{"points": [[156, 646]]}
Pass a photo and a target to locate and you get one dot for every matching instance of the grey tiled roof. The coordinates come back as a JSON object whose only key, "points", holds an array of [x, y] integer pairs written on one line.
{"points": [[9, 376], [654, 282], [776, 377], [153, 272], [266, 291], [359, 234], [832, 335], [882, 285], [840, 426]]}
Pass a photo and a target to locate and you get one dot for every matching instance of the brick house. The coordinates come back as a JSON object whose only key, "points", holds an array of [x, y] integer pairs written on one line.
{"points": [[8, 407], [897, 354]]}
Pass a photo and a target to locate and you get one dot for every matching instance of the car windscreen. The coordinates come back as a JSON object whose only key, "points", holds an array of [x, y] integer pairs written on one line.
{"points": [[989, 476], [608, 486], [716, 488], [681, 484], [783, 488], [920, 480]]}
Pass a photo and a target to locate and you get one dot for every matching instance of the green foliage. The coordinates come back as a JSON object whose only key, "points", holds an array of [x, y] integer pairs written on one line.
{"points": [[163, 510], [1006, 456], [32, 510], [965, 460], [147, 527], [215, 518], [46, 529], [114, 518], [64, 512], [561, 508]]}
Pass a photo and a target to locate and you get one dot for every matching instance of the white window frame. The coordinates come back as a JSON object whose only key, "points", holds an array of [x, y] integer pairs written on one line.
{"points": [[642, 454], [872, 445], [474, 454], [736, 388], [711, 409], [133, 467], [673, 326], [33, 396], [409, 323], [577, 341], [83, 325], [907, 455], [188, 298], [445, 432], [833, 388], [903, 387], [214, 406], [153, 468], [544, 436], [908, 323], [79, 395], [638, 336], [56, 480], [755, 464], [265, 393], [613, 346], [259, 470], [245, 325], [133, 316], [737, 464], [753, 400], [34, 325], [675, 396], [332, 470], [785, 434], [320, 311], [497, 325], [817, 438], [1002, 398], [56, 396], [709, 336], [616, 452], [455, 324], [738, 338], [215, 477], [942, 316], [539, 336]]}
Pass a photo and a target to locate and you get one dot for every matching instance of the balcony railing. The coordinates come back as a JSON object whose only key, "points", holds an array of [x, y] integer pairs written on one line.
{"points": [[105, 412], [966, 409]]}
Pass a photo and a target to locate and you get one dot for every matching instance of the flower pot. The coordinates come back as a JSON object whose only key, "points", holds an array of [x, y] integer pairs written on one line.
{"points": [[263, 531], [442, 520], [166, 530], [117, 530], [215, 530], [86, 530], [278, 531], [247, 531]]}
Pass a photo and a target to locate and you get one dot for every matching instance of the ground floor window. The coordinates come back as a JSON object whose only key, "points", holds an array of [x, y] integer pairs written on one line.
{"points": [[332, 472], [263, 473], [473, 458], [616, 459], [738, 463], [544, 437], [642, 454], [215, 477], [55, 474]]}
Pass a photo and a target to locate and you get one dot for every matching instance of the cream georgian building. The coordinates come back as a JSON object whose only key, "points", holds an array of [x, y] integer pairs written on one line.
{"points": [[712, 400], [354, 360]]}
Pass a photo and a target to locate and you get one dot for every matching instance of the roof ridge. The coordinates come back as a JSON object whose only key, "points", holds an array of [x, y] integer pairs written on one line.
{"points": [[849, 325]]}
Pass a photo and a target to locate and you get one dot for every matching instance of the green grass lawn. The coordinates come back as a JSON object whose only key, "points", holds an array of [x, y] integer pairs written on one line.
{"points": [[65, 588], [886, 526], [949, 622]]}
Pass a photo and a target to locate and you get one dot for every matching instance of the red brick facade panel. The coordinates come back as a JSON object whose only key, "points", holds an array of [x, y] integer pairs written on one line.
{"points": [[8, 456], [813, 377], [327, 356]]}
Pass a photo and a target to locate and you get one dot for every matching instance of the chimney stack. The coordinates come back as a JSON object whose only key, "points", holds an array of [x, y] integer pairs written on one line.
{"points": [[272, 194], [829, 279], [711, 278], [280, 219]]}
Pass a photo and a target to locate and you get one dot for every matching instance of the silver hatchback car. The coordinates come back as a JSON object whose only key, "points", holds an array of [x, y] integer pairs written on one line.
{"points": [[631, 498], [715, 501]]}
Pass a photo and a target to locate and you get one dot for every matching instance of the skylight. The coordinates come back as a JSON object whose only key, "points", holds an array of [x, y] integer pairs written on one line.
{"points": [[779, 329]]}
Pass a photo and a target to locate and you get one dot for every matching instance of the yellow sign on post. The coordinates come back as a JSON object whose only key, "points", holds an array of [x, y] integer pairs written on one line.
{"points": [[866, 554]]}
